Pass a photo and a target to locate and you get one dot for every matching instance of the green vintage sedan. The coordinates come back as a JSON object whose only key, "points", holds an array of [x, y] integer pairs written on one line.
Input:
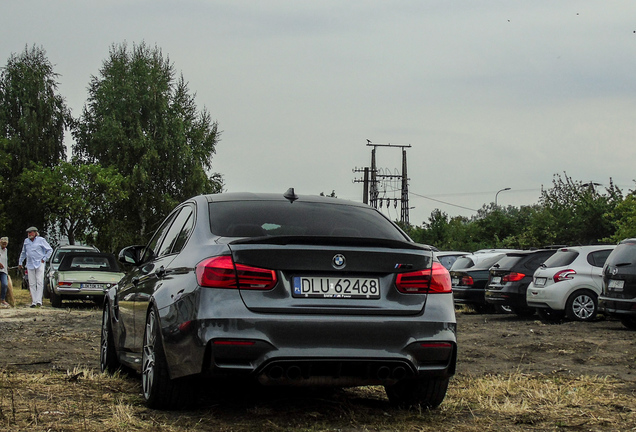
{"points": [[84, 276]]}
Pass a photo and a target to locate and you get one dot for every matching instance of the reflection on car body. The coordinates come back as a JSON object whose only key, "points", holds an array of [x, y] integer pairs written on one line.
{"points": [[212, 294]]}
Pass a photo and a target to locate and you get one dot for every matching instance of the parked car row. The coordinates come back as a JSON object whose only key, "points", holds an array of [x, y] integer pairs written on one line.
{"points": [[556, 283]]}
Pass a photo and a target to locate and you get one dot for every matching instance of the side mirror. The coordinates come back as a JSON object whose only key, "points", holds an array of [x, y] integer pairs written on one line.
{"points": [[131, 255]]}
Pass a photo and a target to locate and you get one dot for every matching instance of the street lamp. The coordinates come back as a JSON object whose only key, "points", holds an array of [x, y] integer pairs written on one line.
{"points": [[501, 190]]}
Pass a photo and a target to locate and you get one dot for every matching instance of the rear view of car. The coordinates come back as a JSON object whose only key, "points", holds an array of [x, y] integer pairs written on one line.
{"points": [[618, 298], [285, 290], [84, 276], [469, 276], [569, 283], [510, 278]]}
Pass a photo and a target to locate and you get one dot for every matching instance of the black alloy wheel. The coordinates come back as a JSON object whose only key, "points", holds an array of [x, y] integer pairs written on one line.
{"points": [[107, 354], [159, 390]]}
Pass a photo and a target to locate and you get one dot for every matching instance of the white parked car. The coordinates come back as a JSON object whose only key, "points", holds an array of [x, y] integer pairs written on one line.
{"points": [[569, 283]]}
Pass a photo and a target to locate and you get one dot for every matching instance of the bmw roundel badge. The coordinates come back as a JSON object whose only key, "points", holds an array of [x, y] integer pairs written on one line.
{"points": [[339, 261]]}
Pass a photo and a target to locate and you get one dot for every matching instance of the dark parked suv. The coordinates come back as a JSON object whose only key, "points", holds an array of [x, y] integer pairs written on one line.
{"points": [[510, 277], [618, 298]]}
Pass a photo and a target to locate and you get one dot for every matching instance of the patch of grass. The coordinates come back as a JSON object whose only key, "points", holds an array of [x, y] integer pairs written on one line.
{"points": [[83, 400]]}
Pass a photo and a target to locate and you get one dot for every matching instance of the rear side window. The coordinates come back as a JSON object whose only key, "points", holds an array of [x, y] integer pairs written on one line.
{"points": [[281, 218], [561, 258], [598, 258], [623, 254]]}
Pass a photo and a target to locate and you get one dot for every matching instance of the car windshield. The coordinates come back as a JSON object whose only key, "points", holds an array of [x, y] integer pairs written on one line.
{"points": [[561, 258], [281, 218]]}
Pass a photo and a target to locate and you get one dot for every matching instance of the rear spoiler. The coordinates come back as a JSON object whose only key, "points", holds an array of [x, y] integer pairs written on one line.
{"points": [[331, 241]]}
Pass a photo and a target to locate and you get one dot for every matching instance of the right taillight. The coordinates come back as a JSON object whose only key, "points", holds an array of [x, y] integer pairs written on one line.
{"points": [[564, 275], [222, 272], [430, 281], [467, 281]]}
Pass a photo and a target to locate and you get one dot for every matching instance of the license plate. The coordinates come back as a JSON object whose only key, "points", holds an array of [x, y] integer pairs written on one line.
{"points": [[346, 288], [540, 281], [615, 285], [455, 281], [91, 286], [496, 280]]}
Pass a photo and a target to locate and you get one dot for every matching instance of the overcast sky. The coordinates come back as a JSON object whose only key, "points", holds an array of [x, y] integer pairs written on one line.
{"points": [[489, 94]]}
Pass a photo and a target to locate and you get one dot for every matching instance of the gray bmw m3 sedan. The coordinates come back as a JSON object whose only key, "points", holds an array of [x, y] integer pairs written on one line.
{"points": [[285, 290]]}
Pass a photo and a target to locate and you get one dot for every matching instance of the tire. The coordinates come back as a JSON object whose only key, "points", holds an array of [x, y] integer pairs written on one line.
{"points": [[107, 353], [629, 322], [582, 305], [56, 300], [503, 309], [524, 312], [550, 315], [484, 309], [422, 392], [161, 392]]}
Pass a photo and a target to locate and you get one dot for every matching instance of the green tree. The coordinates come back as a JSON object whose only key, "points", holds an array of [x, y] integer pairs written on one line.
{"points": [[77, 197], [143, 121], [577, 213], [33, 118]]}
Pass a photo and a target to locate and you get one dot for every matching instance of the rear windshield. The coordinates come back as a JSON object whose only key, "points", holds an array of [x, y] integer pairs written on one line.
{"points": [[561, 258], [466, 262], [462, 263], [280, 218], [623, 254]]}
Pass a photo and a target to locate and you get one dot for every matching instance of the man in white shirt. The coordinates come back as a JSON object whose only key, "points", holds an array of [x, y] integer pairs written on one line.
{"points": [[4, 275], [36, 251]]}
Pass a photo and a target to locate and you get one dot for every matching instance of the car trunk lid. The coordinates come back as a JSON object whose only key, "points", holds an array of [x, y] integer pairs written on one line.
{"points": [[329, 275]]}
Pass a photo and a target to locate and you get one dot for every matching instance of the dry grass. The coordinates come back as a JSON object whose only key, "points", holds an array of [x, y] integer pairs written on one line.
{"points": [[83, 400]]}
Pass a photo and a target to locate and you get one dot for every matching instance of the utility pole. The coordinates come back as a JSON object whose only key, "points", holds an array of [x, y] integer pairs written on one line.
{"points": [[372, 177]]}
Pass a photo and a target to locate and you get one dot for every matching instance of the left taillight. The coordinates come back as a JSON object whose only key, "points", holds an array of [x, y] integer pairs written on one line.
{"points": [[435, 280], [222, 272]]}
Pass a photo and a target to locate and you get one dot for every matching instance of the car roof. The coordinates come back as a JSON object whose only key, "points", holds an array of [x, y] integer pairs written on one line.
{"points": [[445, 253], [82, 247], [248, 196]]}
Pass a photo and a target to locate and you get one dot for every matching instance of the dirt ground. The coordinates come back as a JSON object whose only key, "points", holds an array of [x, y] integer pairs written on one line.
{"points": [[61, 339]]}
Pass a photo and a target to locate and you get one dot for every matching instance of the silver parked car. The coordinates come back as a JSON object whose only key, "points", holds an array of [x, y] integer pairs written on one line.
{"points": [[569, 282], [284, 290]]}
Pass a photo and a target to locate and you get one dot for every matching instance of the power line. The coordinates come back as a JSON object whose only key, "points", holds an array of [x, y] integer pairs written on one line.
{"points": [[443, 202]]}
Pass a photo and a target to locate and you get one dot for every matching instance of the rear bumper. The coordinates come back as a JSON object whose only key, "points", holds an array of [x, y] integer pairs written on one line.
{"points": [[462, 295], [617, 307], [226, 339], [511, 294]]}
